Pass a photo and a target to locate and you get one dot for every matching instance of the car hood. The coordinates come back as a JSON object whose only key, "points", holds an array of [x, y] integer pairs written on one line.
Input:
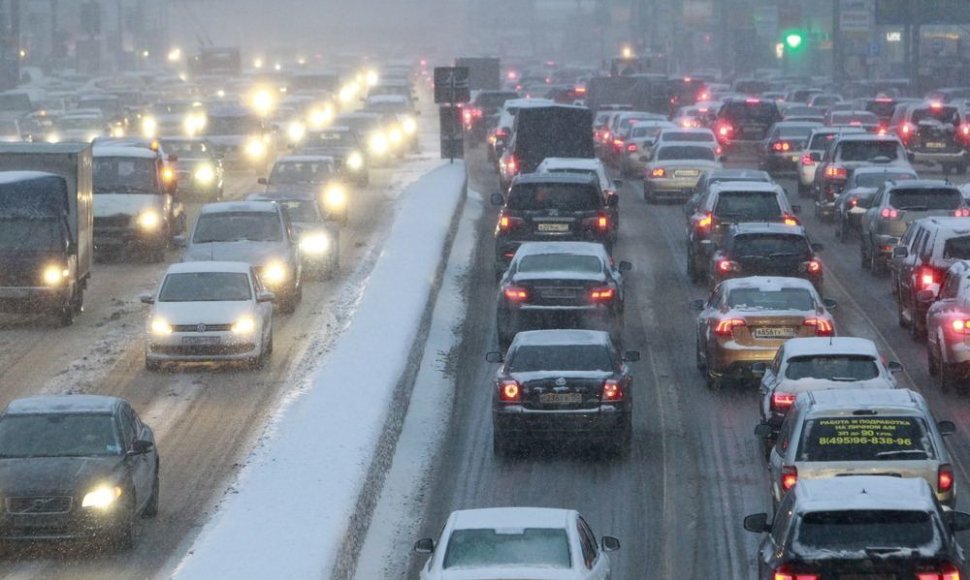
{"points": [[203, 312], [63, 475], [255, 253], [506, 572], [109, 204], [226, 140]]}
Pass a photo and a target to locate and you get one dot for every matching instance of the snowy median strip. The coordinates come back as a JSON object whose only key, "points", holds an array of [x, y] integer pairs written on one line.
{"points": [[299, 497]]}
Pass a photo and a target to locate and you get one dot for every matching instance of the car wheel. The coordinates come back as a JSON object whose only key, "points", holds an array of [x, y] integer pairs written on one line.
{"points": [[900, 319], [699, 360], [712, 382], [68, 313], [692, 272], [875, 264], [151, 510], [153, 365]]}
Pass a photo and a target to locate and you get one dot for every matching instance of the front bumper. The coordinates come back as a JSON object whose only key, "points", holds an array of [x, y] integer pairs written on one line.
{"points": [[516, 420], [117, 238], [14, 299], [929, 156], [75, 524], [201, 347]]}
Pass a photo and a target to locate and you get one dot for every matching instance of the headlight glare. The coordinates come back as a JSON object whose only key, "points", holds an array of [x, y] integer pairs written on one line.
{"points": [[377, 144], [54, 275], [245, 325], [205, 174], [149, 127], [296, 131], [149, 220], [274, 273], [409, 125], [355, 161], [161, 327], [315, 243], [334, 197], [255, 149], [101, 497]]}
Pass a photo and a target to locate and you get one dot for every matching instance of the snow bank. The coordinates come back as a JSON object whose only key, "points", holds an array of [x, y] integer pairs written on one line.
{"points": [[306, 494]]}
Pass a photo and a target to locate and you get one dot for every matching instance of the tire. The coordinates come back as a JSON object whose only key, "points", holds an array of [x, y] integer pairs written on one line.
{"points": [[916, 332], [875, 265], [67, 314], [151, 510], [259, 361], [946, 377], [692, 274], [293, 298]]}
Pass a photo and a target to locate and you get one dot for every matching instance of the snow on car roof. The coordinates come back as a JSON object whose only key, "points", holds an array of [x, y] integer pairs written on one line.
{"points": [[769, 227], [767, 283], [387, 99], [510, 517], [239, 206], [853, 399], [123, 151], [62, 404], [16, 176], [561, 337], [520, 103], [303, 159], [577, 248], [552, 163], [863, 492], [216, 266], [746, 186], [847, 345]]}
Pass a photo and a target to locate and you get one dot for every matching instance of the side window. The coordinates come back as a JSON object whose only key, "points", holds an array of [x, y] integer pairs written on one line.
{"points": [[588, 548], [926, 252], [776, 364], [128, 432], [783, 520], [257, 283], [787, 431], [590, 536], [950, 287], [715, 298], [907, 239]]}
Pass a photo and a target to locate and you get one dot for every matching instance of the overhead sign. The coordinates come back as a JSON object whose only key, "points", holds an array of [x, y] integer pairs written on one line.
{"points": [[451, 84], [856, 15], [766, 21], [902, 12]]}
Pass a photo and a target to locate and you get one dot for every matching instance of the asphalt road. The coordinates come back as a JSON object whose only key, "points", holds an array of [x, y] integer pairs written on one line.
{"points": [[677, 502]]}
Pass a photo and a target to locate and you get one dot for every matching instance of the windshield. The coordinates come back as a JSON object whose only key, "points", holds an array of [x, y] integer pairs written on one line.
{"points": [[944, 115], [870, 150], [301, 211], [559, 196], [187, 149], [761, 112], [783, 299], [560, 357], [290, 172], [880, 530], [331, 139], [864, 438], [691, 152], [747, 204], [560, 263], [832, 367], [36, 235], [648, 131], [529, 547], [821, 141], [255, 226], [205, 287], [233, 125], [957, 248], [125, 175], [790, 132], [925, 199], [58, 435], [771, 246]]}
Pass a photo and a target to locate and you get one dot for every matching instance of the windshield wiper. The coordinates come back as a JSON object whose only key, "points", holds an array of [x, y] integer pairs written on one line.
{"points": [[898, 452]]}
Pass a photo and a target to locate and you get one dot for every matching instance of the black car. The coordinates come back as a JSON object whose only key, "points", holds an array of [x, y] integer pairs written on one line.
{"points": [[552, 207], [766, 249], [198, 169], [741, 120], [560, 285], [75, 467], [862, 526], [562, 382]]}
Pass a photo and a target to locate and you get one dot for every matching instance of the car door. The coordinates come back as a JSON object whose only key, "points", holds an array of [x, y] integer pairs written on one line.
{"points": [[141, 466], [905, 267], [776, 459], [600, 568], [703, 320], [264, 310]]}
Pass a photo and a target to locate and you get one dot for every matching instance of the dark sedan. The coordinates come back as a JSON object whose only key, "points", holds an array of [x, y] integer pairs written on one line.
{"points": [[766, 249], [75, 467], [563, 382]]}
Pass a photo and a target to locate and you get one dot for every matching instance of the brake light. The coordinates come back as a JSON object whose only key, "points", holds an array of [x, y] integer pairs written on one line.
{"points": [[854, 201], [944, 478], [725, 130], [836, 172], [962, 212], [725, 266], [632, 147], [936, 105], [881, 131], [807, 159], [516, 293], [781, 146], [947, 572], [889, 213], [752, 101], [599, 223], [961, 326], [658, 172], [604, 294], [965, 130], [822, 326], [501, 133], [726, 327], [813, 266], [706, 221], [617, 143], [789, 220], [512, 165], [612, 390], [509, 391], [789, 477], [782, 401], [927, 277], [786, 573], [507, 223]]}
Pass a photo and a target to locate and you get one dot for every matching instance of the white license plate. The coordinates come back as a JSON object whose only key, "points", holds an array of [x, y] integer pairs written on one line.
{"points": [[795, 158], [553, 227], [687, 173], [200, 340], [935, 145], [557, 293], [561, 398], [773, 332]]}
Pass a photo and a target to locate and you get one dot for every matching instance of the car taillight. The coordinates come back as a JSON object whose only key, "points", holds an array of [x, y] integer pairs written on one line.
{"points": [[836, 172], [944, 478], [726, 327], [724, 131], [781, 146], [509, 391], [501, 134], [813, 266], [889, 213], [962, 212], [807, 159], [724, 266], [612, 390], [960, 325], [631, 148], [854, 201], [658, 172], [706, 221], [604, 294], [789, 220], [822, 326], [789, 477], [782, 401], [512, 165], [926, 277], [947, 571], [507, 223], [600, 223], [516, 294], [617, 144], [786, 573]]}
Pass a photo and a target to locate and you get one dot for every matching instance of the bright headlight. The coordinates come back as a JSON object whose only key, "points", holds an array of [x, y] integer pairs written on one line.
{"points": [[409, 125], [274, 273], [194, 123], [377, 144], [255, 149], [149, 127], [53, 138], [320, 118], [117, 131], [161, 327], [54, 275], [245, 325], [296, 131], [315, 243], [355, 161], [334, 197], [101, 497], [205, 174], [372, 78], [394, 136], [149, 220]]}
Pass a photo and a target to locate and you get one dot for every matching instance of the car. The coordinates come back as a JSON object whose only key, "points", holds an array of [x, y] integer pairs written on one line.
{"points": [[783, 145], [709, 178], [557, 206], [319, 238], [745, 120], [620, 129], [834, 433], [344, 146], [483, 105], [824, 100], [198, 169], [857, 195], [639, 145], [933, 133], [311, 174], [257, 232], [766, 249], [76, 467], [896, 205], [746, 320], [847, 153], [802, 95], [541, 132], [686, 135], [865, 120], [948, 326], [561, 285], [556, 384], [866, 525], [239, 136], [506, 122], [672, 171], [520, 542], [882, 106], [209, 311]]}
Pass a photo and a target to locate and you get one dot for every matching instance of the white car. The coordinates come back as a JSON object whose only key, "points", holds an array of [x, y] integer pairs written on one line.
{"points": [[209, 311], [516, 542]]}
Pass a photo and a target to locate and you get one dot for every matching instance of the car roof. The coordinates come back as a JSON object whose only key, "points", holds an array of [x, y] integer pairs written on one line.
{"points": [[766, 283], [869, 137], [841, 130], [240, 206], [740, 185], [123, 151], [583, 178], [958, 225], [796, 124], [678, 129], [571, 163], [284, 194], [561, 337], [848, 345], [16, 176], [205, 266], [884, 169], [756, 174], [510, 517], [767, 228], [842, 400], [63, 404], [923, 184], [303, 159], [863, 492], [576, 248]]}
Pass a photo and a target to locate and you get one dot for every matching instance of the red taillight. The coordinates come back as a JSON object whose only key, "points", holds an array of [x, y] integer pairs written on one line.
{"points": [[509, 391], [632, 147], [807, 159], [789, 477], [854, 202], [512, 166], [822, 326], [612, 390], [617, 143], [507, 223], [724, 131], [944, 478], [600, 223], [516, 294], [726, 327], [786, 573], [604, 294], [706, 221], [501, 134], [813, 266], [782, 401], [947, 572], [960, 325], [725, 266], [926, 277], [836, 172], [962, 212], [781, 146], [889, 213], [658, 172]]}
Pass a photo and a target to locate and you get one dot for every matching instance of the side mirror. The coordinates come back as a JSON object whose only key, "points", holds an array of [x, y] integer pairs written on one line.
{"points": [[764, 431], [497, 199], [494, 357], [900, 252], [262, 181], [179, 241], [424, 546], [141, 446], [946, 427], [757, 523], [830, 304], [758, 369], [624, 266], [796, 209], [958, 521], [818, 247], [266, 297], [613, 201], [173, 157], [146, 299], [697, 305], [925, 296], [609, 544], [894, 366], [631, 356]]}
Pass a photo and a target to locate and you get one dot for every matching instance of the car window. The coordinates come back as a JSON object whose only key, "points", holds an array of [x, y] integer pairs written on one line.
{"points": [[850, 530], [957, 248], [951, 285], [786, 433], [562, 357], [59, 435], [869, 150], [238, 226], [205, 287], [832, 367], [672, 152], [747, 204], [937, 115], [753, 110], [925, 198], [576, 171], [821, 141], [790, 132], [877, 179], [125, 175], [776, 362], [128, 431], [864, 438], [771, 246], [560, 196], [783, 519], [291, 172], [587, 532], [546, 547], [688, 136], [782, 299], [301, 210], [588, 548], [559, 263]]}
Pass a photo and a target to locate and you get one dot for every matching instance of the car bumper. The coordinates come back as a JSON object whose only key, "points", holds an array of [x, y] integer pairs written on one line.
{"points": [[957, 352], [108, 239], [14, 298], [939, 156], [517, 420], [734, 361], [884, 244], [185, 347], [546, 317], [786, 161], [806, 174], [77, 524]]}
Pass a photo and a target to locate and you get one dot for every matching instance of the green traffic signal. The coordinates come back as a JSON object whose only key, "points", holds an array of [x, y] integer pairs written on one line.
{"points": [[793, 40]]}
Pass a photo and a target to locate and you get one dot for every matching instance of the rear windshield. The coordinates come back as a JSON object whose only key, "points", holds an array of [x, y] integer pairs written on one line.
{"points": [[832, 368], [957, 248], [747, 204], [821, 141], [942, 114], [864, 438], [560, 263], [685, 152], [882, 108], [788, 132], [869, 150], [925, 199], [560, 357], [763, 112], [689, 136], [850, 530], [576, 171], [559, 196], [254, 226], [547, 548], [877, 179], [646, 131], [783, 299], [772, 245]]}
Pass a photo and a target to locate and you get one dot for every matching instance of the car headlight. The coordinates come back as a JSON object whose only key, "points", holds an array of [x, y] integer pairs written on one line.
{"points": [[193, 124], [355, 161], [315, 243], [101, 497], [321, 117], [245, 325], [205, 174], [255, 149], [53, 138], [274, 273], [296, 131], [161, 327], [54, 275], [409, 125], [149, 220], [377, 144], [117, 131], [149, 127], [394, 136], [334, 197]]}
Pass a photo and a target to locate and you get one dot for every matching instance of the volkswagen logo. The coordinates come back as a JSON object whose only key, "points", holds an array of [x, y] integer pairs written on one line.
{"points": [[200, 328], [561, 382]]}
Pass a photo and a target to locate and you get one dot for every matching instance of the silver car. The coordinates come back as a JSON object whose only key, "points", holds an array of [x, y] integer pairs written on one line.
{"points": [[674, 169]]}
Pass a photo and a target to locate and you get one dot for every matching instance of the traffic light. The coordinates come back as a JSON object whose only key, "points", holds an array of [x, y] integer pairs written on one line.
{"points": [[793, 40]]}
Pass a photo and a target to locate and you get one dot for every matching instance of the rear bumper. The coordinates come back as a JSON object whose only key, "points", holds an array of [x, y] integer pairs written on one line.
{"points": [[516, 420], [776, 161], [670, 189], [955, 157]]}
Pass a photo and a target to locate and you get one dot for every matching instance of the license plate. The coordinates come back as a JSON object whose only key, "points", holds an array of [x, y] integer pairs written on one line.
{"points": [[795, 158], [867, 577], [553, 227], [557, 293], [560, 398], [687, 173], [773, 332], [200, 340], [935, 145]]}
